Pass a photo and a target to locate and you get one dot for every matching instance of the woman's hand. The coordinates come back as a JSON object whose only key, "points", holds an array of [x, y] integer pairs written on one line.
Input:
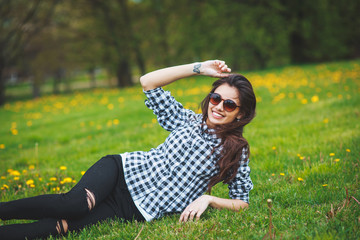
{"points": [[195, 209], [213, 68]]}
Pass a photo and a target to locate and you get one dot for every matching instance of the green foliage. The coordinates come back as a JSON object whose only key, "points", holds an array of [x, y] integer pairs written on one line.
{"points": [[304, 153]]}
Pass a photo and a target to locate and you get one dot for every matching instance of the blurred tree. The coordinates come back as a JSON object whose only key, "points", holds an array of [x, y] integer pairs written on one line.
{"points": [[20, 20], [112, 25]]}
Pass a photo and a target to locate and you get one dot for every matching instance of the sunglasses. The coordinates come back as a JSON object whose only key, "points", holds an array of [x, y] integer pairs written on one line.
{"points": [[229, 105]]}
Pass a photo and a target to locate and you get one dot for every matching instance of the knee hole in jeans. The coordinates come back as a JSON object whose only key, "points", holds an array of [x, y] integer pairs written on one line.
{"points": [[90, 198], [62, 226]]}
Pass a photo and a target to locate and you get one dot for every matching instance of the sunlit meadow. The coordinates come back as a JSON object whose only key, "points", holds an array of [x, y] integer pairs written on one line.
{"points": [[304, 153]]}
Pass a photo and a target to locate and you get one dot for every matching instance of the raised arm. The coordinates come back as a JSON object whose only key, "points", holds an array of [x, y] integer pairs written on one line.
{"points": [[165, 76]]}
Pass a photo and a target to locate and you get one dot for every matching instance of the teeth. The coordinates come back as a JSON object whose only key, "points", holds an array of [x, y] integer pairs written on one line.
{"points": [[217, 114]]}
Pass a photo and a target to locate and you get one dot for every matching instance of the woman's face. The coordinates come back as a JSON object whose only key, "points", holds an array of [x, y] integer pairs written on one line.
{"points": [[216, 113]]}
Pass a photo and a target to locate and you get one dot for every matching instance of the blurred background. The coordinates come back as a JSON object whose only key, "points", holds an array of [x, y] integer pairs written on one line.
{"points": [[53, 46]]}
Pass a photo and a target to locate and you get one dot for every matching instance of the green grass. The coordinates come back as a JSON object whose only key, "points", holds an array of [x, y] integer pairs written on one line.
{"points": [[304, 152]]}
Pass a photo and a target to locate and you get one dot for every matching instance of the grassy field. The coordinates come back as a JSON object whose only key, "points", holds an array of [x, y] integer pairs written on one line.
{"points": [[304, 153]]}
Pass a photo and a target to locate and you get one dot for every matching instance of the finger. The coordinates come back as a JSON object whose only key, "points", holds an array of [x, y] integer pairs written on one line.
{"points": [[198, 214], [192, 215]]}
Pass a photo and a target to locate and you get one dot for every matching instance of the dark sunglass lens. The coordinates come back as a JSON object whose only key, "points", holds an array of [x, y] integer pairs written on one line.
{"points": [[229, 105], [215, 98]]}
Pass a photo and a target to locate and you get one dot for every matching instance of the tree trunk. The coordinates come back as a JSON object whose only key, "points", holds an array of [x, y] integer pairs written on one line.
{"points": [[123, 74], [2, 84]]}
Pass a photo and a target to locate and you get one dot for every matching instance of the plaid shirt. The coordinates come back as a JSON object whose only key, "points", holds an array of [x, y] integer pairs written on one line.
{"points": [[174, 174]]}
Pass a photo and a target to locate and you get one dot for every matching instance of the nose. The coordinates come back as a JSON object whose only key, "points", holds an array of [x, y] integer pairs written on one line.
{"points": [[220, 106]]}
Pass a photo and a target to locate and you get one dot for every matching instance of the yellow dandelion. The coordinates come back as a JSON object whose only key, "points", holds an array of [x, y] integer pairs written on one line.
{"points": [[314, 99], [326, 120], [348, 150], [302, 158], [29, 182], [15, 173], [116, 121], [282, 174], [82, 172], [153, 120], [2, 177], [67, 180], [10, 170], [31, 167], [4, 187], [332, 154], [110, 106], [273, 148], [304, 101], [299, 155], [273, 174], [336, 160], [24, 171], [32, 185], [14, 132], [40, 179], [16, 178], [340, 96], [73, 181], [29, 123], [324, 185], [63, 168], [300, 179], [2, 146], [53, 179]]}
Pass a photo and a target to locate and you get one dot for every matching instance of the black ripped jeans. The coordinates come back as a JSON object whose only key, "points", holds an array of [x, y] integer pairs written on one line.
{"points": [[105, 179]]}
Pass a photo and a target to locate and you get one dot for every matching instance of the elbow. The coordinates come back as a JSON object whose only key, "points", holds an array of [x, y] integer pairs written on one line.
{"points": [[143, 82]]}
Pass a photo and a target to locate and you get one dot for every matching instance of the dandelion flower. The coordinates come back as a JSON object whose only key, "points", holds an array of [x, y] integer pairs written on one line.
{"points": [[326, 120], [273, 174], [32, 185], [31, 167], [15, 173], [332, 154], [16, 178], [304, 101], [24, 171], [63, 168], [314, 99], [273, 148], [348, 150], [324, 185], [14, 132], [53, 179], [4, 187], [116, 121], [3, 177], [110, 106], [282, 174], [300, 179], [82, 172], [336, 160], [67, 180], [2, 146], [29, 182]]}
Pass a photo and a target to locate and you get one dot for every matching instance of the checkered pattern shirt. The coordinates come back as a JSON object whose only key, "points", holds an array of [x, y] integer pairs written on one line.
{"points": [[174, 174]]}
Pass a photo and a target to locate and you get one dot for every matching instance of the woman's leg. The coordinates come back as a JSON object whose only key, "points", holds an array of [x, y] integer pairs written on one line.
{"points": [[119, 204], [96, 184]]}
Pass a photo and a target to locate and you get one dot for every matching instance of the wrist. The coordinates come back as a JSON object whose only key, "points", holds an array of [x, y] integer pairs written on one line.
{"points": [[196, 68]]}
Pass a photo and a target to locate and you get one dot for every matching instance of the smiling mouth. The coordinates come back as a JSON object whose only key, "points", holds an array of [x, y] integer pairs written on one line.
{"points": [[217, 115]]}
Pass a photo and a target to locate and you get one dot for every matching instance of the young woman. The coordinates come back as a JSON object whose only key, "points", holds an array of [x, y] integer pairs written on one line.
{"points": [[200, 151]]}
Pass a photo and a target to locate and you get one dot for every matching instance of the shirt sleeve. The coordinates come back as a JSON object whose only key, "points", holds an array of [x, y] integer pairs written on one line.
{"points": [[241, 185], [170, 113]]}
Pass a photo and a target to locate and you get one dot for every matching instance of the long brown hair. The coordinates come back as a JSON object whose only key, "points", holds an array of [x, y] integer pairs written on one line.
{"points": [[231, 134]]}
